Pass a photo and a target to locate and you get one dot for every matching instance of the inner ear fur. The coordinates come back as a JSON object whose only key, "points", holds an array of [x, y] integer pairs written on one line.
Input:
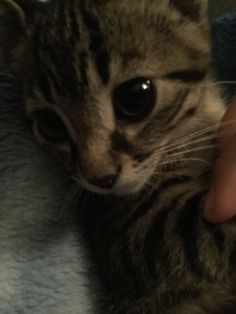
{"points": [[16, 20], [13, 37]]}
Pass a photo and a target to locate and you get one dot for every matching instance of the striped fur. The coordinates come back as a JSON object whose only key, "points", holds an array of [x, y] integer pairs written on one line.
{"points": [[155, 251]]}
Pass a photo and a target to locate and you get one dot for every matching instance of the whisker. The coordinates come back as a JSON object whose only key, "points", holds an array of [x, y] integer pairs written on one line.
{"points": [[191, 136], [184, 145], [77, 190], [222, 83], [187, 151], [170, 162], [70, 200], [184, 141], [66, 179]]}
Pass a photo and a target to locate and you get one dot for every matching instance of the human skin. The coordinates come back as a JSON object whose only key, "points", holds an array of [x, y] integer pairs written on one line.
{"points": [[220, 203]]}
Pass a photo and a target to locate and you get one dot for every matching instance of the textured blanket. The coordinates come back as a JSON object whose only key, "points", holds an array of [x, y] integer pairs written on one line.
{"points": [[44, 264]]}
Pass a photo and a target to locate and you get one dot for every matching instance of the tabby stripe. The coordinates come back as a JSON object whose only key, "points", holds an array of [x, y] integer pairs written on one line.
{"points": [[146, 255], [187, 227], [126, 257], [189, 113], [168, 113], [171, 182], [83, 67], [97, 44], [142, 157], [53, 79], [187, 76], [114, 249], [153, 244], [218, 236], [176, 299], [164, 117], [61, 20], [44, 84], [39, 55], [120, 143], [178, 104], [43, 79], [188, 8], [67, 73], [143, 206], [56, 78], [74, 25], [156, 234]]}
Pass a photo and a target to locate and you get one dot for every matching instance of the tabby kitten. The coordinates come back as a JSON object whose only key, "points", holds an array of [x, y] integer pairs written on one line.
{"points": [[122, 90]]}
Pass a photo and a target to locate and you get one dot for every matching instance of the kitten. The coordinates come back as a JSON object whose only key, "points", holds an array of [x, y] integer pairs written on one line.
{"points": [[123, 91]]}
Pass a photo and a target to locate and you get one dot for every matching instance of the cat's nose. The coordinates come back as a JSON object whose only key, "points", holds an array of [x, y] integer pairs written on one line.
{"points": [[106, 182]]}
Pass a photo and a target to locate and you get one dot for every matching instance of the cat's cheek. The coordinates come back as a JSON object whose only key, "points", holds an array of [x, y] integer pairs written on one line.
{"points": [[133, 179], [135, 176], [62, 151], [128, 188]]}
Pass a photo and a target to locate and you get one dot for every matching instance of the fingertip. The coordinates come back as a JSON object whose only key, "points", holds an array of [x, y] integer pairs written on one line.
{"points": [[220, 203], [219, 215], [218, 208]]}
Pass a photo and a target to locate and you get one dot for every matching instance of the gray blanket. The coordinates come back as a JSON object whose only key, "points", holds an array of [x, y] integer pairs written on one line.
{"points": [[44, 264]]}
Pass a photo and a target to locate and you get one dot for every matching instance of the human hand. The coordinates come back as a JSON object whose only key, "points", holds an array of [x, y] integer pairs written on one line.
{"points": [[220, 204]]}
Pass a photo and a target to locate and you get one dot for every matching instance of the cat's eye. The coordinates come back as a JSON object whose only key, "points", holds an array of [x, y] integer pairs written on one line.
{"points": [[134, 99], [51, 127]]}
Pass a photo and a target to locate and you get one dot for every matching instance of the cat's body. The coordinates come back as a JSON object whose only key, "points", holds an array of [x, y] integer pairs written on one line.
{"points": [[131, 82]]}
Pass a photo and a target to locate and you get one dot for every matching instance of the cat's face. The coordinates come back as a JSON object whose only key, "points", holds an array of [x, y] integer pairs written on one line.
{"points": [[110, 83]]}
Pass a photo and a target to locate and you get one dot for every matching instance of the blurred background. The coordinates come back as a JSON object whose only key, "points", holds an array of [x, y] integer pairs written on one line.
{"points": [[220, 7]]}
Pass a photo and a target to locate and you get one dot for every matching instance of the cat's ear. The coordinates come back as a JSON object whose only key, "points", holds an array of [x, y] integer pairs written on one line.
{"points": [[195, 9], [15, 16], [13, 36]]}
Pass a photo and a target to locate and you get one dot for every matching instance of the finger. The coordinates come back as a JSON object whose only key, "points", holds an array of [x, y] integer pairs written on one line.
{"points": [[220, 204]]}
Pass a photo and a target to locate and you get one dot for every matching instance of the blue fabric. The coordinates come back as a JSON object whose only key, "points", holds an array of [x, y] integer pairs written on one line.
{"points": [[224, 50], [45, 266]]}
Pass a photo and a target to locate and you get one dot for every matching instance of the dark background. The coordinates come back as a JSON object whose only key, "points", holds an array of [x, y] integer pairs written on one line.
{"points": [[219, 7]]}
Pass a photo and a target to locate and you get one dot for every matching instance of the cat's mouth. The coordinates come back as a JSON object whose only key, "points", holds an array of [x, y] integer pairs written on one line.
{"points": [[118, 189], [92, 188], [128, 180]]}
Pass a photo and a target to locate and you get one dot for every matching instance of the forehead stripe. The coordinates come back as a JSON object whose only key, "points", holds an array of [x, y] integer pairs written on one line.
{"points": [[97, 45], [188, 8], [43, 81]]}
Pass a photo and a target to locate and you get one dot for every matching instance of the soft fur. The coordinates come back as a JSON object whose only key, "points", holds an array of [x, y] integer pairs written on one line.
{"points": [[155, 251]]}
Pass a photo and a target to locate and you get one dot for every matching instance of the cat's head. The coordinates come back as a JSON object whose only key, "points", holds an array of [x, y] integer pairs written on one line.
{"points": [[107, 82]]}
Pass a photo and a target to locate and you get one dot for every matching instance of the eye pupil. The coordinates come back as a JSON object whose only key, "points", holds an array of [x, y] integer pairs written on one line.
{"points": [[134, 99], [51, 127]]}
